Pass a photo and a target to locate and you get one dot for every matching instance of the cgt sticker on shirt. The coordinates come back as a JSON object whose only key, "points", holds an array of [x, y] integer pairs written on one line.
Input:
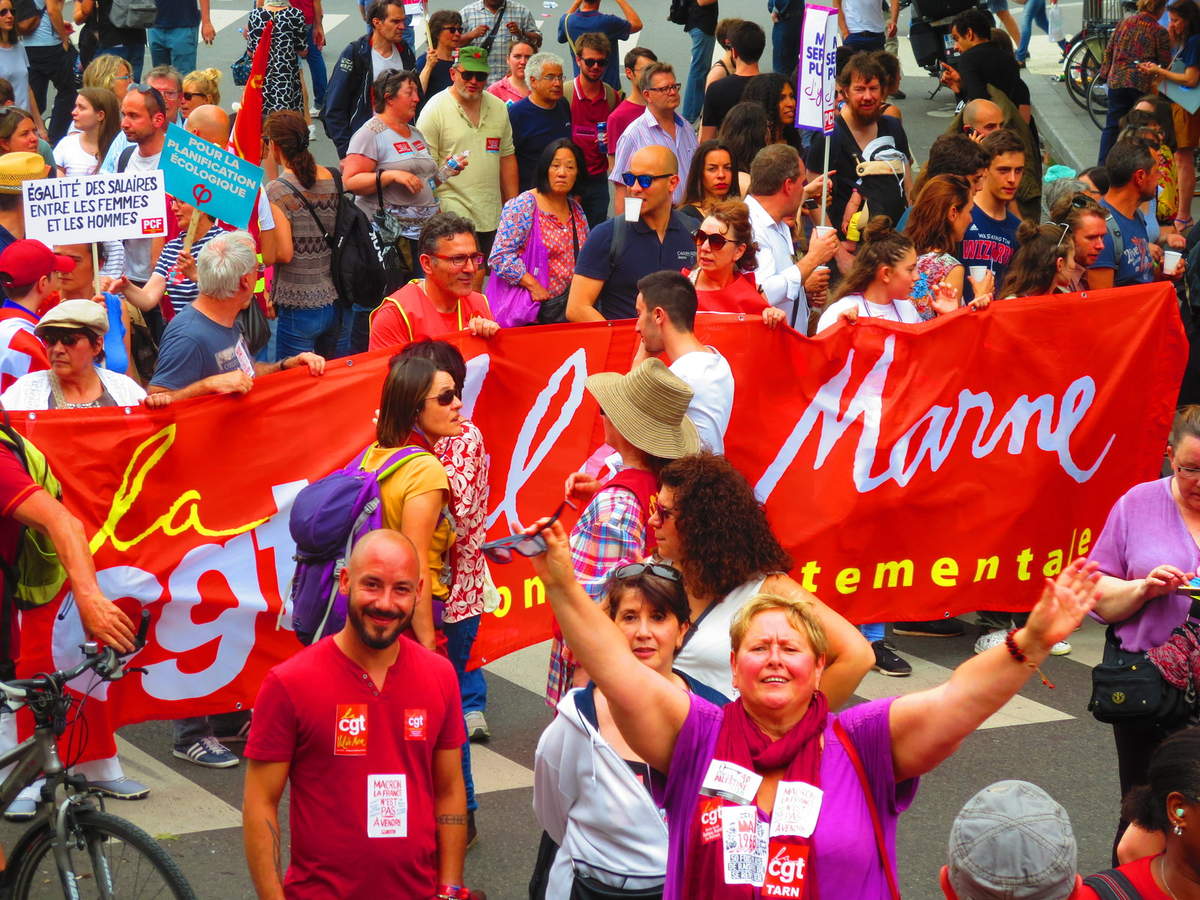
{"points": [[350, 730], [414, 725], [403, 147], [387, 806], [785, 870], [418, 146], [493, 145], [709, 810]]}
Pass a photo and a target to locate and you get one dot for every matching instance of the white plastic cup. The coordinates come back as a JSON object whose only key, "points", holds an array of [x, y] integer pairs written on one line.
{"points": [[819, 231], [979, 272], [1171, 260], [633, 209]]}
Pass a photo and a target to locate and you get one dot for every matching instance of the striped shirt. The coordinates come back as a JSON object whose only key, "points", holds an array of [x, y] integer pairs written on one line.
{"points": [[644, 131], [180, 290]]}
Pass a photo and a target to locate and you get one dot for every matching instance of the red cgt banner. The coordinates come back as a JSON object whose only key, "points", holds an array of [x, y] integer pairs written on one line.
{"points": [[912, 471]]}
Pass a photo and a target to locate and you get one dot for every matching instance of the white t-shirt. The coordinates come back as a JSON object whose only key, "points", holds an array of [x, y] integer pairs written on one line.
{"points": [[14, 65], [137, 250], [896, 311], [711, 381], [864, 15], [380, 63], [72, 158]]}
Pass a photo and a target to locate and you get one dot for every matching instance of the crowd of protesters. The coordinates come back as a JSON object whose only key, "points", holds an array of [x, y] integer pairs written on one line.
{"points": [[510, 184]]}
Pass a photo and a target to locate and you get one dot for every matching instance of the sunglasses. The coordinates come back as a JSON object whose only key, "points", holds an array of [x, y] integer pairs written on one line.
{"points": [[472, 76], [502, 549], [445, 398], [635, 570], [147, 90], [52, 336], [595, 62], [715, 241], [643, 181], [453, 29], [7, 12], [191, 95]]}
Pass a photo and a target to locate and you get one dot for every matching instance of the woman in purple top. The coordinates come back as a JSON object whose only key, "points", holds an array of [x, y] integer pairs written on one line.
{"points": [[1147, 550], [763, 795]]}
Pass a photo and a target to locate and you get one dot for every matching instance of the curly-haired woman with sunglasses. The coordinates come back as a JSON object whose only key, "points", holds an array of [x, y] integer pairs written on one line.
{"points": [[419, 406], [726, 257], [597, 800], [726, 559]]}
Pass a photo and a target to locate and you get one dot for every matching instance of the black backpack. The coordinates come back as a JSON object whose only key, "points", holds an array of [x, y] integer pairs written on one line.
{"points": [[358, 275], [678, 12]]}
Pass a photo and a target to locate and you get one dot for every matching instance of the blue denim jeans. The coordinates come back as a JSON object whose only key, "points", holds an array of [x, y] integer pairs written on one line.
{"points": [[305, 331], [1035, 14], [702, 51], [173, 47], [460, 637], [874, 631], [316, 65], [785, 44]]}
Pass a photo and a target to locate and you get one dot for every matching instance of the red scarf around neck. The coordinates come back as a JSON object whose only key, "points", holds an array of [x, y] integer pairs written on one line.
{"points": [[742, 742]]}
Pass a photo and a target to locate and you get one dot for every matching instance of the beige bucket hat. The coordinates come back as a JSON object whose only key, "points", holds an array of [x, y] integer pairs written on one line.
{"points": [[648, 407]]}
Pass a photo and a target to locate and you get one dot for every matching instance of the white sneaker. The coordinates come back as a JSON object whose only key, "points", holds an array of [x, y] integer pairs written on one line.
{"points": [[992, 639], [477, 728], [1062, 648]]}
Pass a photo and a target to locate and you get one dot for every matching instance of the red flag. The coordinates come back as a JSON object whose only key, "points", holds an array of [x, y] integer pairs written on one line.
{"points": [[247, 128]]}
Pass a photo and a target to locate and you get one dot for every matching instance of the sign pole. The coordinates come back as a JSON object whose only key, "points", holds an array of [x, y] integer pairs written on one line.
{"points": [[191, 232], [825, 181], [95, 269]]}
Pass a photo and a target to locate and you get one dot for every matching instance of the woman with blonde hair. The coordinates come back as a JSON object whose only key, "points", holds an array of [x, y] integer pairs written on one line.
{"points": [[200, 87], [111, 72]]}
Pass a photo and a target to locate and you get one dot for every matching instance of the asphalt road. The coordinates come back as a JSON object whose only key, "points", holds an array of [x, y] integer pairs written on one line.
{"points": [[1045, 736]]}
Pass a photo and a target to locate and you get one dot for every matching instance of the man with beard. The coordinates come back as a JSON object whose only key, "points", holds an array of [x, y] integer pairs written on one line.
{"points": [[1128, 256], [869, 151], [367, 727]]}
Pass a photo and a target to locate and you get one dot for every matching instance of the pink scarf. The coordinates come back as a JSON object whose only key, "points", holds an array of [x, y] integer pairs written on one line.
{"points": [[742, 742]]}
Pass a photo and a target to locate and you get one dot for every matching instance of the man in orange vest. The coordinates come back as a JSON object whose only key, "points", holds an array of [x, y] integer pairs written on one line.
{"points": [[443, 301]]}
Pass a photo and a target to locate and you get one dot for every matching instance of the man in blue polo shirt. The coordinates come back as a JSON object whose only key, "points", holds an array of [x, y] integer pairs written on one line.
{"points": [[540, 118], [659, 239], [1133, 180]]}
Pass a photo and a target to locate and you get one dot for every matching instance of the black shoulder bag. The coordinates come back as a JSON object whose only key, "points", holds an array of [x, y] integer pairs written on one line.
{"points": [[486, 43]]}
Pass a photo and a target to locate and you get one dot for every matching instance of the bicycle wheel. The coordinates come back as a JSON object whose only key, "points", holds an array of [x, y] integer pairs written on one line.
{"points": [[111, 858], [1079, 71], [1097, 103]]}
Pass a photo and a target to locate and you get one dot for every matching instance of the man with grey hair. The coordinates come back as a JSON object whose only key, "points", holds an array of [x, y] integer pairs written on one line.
{"points": [[541, 118], [203, 351]]}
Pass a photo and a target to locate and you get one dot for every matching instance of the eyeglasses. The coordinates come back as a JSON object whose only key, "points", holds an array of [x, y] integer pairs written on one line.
{"points": [[125, 77], [189, 95], [461, 260], [502, 549], [445, 398], [1186, 471], [643, 181], [472, 76], [549, 78], [634, 570], [1081, 201], [715, 241], [7, 12], [594, 62], [663, 512], [52, 336], [666, 88]]}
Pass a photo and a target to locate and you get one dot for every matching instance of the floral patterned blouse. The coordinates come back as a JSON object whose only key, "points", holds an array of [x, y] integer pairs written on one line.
{"points": [[515, 223], [466, 464], [932, 268]]}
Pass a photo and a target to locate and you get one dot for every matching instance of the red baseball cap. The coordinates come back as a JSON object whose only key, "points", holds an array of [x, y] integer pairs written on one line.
{"points": [[24, 262]]}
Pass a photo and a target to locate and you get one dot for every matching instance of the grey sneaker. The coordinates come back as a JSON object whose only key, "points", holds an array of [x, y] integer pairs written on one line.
{"points": [[477, 729], [208, 752], [123, 788]]}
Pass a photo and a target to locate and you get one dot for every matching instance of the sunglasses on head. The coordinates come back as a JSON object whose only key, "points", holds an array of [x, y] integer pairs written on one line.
{"points": [[643, 181], [502, 549], [715, 241], [445, 398], [636, 570], [472, 76]]}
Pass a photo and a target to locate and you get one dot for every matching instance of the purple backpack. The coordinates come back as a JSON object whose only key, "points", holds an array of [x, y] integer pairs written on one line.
{"points": [[328, 518]]}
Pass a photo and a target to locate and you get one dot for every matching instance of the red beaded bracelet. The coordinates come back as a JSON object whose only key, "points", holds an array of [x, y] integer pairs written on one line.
{"points": [[1015, 652]]}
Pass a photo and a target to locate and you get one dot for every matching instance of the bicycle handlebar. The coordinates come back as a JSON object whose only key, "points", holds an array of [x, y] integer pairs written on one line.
{"points": [[105, 661]]}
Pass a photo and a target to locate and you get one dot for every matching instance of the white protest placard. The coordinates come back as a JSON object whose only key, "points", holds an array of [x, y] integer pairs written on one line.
{"points": [[816, 91], [90, 208]]}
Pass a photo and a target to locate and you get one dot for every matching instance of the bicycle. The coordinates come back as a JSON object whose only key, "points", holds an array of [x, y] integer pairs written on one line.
{"points": [[73, 848]]}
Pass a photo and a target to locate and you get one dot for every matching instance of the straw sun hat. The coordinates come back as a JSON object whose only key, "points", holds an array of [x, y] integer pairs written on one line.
{"points": [[647, 406]]}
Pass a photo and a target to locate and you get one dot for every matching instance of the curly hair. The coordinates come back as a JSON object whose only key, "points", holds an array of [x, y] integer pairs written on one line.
{"points": [[723, 528]]}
